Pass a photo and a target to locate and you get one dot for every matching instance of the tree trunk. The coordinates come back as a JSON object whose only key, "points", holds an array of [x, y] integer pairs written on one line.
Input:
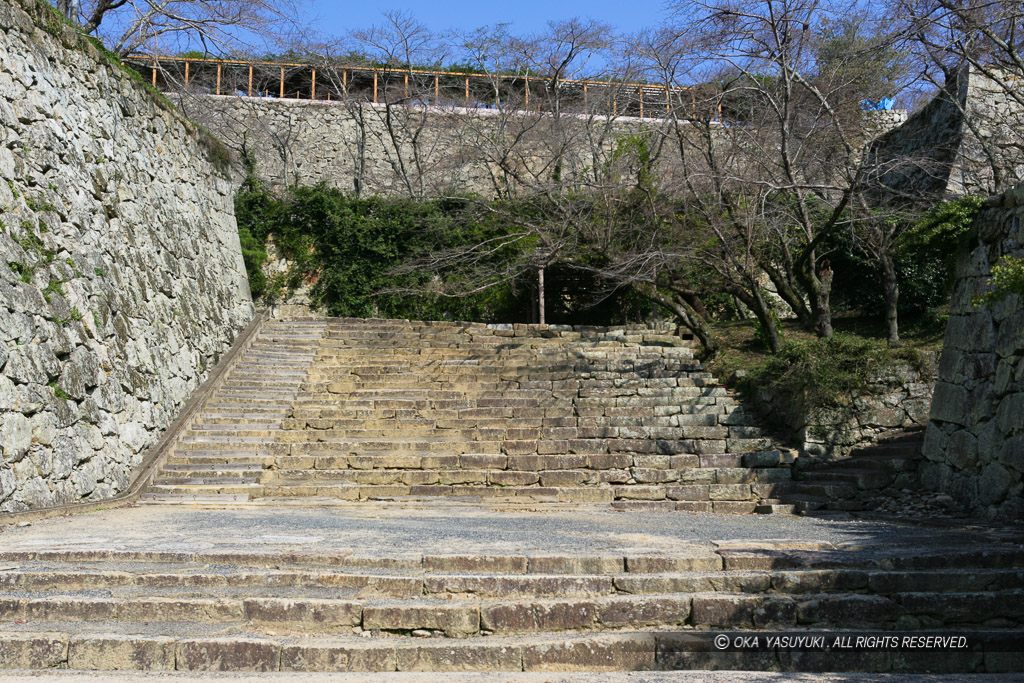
{"points": [[755, 301], [822, 298], [892, 298], [685, 314], [540, 297], [789, 293]]}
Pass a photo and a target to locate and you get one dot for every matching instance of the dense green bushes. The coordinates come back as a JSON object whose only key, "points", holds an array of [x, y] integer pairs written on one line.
{"points": [[348, 249]]}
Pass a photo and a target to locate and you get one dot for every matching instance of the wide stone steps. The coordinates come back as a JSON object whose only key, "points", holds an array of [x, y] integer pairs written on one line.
{"points": [[271, 610], [460, 618], [368, 409], [165, 580], [730, 499]]}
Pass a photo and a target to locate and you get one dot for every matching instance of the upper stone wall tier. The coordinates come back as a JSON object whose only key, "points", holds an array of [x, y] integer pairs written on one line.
{"points": [[423, 151], [975, 440], [967, 140], [121, 275], [412, 151]]}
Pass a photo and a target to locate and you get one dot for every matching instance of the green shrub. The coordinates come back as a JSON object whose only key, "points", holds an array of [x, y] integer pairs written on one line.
{"points": [[349, 249], [827, 372], [1007, 278]]}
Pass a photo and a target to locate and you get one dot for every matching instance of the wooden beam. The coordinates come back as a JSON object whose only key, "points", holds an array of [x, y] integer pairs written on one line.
{"points": [[282, 82], [218, 77], [668, 102], [527, 92], [186, 72], [375, 87], [641, 91], [312, 91], [154, 74], [250, 80], [467, 92], [406, 86], [437, 91]]}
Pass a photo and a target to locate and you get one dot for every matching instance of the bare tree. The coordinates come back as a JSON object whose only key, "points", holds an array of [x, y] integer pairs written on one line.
{"points": [[218, 26], [974, 51]]}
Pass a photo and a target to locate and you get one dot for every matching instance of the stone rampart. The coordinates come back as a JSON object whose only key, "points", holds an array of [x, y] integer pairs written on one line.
{"points": [[121, 276], [896, 397], [412, 151], [974, 444]]}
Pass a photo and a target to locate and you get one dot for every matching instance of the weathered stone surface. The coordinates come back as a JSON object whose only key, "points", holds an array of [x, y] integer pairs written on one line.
{"points": [[121, 653], [977, 417], [454, 621], [137, 281], [227, 654], [458, 657], [611, 653], [31, 651], [326, 657]]}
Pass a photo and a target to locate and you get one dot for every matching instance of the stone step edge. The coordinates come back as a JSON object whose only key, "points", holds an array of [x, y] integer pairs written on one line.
{"points": [[166, 581], [729, 558], [637, 651], [468, 616]]}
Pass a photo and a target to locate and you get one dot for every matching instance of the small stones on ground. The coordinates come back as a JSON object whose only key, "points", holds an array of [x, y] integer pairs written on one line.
{"points": [[918, 505]]}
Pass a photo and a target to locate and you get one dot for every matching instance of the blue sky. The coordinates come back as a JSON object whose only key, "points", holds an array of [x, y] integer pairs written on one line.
{"points": [[525, 16]]}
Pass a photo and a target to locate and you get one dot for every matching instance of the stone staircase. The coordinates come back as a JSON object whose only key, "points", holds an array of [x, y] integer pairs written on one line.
{"points": [[854, 482], [348, 410], [335, 611]]}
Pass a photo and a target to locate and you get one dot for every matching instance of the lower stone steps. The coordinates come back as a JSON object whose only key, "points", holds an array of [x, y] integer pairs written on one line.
{"points": [[605, 652], [271, 610]]}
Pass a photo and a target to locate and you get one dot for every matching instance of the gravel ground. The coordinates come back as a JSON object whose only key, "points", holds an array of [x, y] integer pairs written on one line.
{"points": [[400, 530], [632, 677]]}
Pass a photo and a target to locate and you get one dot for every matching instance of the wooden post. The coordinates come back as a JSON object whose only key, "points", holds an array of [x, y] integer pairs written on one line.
{"points": [[154, 74], [218, 77], [312, 91], [250, 80], [186, 73], [375, 87], [668, 102], [641, 91], [540, 297], [527, 92], [584, 94], [467, 92], [615, 104], [344, 80], [282, 82], [437, 92], [406, 86]]}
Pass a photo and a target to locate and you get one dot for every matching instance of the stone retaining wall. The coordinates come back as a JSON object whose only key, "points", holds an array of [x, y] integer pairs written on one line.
{"points": [[121, 276], [896, 398], [974, 444]]}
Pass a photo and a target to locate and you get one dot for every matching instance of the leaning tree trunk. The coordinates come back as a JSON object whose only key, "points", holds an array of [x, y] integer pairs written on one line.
{"points": [[685, 314], [755, 301]]}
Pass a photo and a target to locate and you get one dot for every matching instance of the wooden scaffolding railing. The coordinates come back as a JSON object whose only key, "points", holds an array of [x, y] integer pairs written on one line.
{"points": [[471, 90]]}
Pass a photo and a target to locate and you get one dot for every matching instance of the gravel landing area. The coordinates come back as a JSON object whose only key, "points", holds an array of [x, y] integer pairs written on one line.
{"points": [[631, 677], [406, 530]]}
